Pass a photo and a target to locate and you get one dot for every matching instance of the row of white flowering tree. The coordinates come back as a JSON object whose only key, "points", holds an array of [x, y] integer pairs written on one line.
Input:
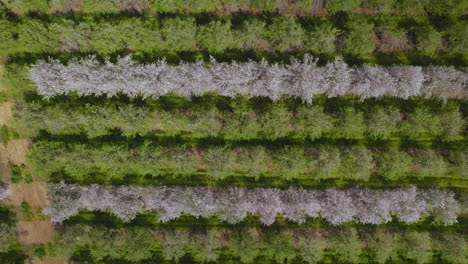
{"points": [[232, 204], [301, 78]]}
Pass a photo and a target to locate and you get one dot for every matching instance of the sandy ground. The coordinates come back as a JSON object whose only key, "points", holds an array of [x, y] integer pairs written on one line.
{"points": [[35, 193]]}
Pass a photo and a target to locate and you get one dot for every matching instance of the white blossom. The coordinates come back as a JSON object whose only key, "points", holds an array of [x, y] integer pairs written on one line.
{"points": [[302, 79], [4, 191], [233, 204]]}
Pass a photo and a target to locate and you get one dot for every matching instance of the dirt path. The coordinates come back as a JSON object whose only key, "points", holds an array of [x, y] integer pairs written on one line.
{"points": [[38, 229]]}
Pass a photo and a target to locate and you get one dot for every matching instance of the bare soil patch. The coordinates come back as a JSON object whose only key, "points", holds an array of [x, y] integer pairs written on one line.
{"points": [[35, 193]]}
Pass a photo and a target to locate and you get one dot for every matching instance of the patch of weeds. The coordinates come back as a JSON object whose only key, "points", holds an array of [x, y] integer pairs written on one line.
{"points": [[16, 174], [15, 133], [40, 251], [3, 97], [26, 209], [28, 179], [5, 134], [38, 214]]}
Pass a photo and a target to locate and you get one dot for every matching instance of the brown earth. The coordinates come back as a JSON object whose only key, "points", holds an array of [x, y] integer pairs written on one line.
{"points": [[35, 194]]}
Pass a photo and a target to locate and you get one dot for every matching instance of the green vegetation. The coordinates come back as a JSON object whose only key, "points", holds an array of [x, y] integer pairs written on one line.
{"points": [[16, 176], [359, 35], [407, 7], [18, 173], [9, 246], [250, 245], [26, 210], [244, 119], [116, 162], [5, 134], [263, 138], [3, 97]]}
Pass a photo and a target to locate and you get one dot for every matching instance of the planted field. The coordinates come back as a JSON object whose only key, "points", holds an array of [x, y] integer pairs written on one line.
{"points": [[233, 131]]}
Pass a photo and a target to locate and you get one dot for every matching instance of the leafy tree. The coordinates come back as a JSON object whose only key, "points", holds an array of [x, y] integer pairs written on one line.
{"points": [[460, 159], [429, 40], [453, 124], [60, 6], [303, 4], [325, 162], [144, 35], [410, 7], [359, 39], [73, 38], [322, 39], [334, 6], [216, 36], [7, 32], [311, 247], [100, 6], [380, 6], [35, 36], [134, 120], [349, 124], [193, 6], [312, 122], [394, 165], [278, 247], [7, 238], [456, 37], [241, 123], [347, 246], [219, 162], [107, 37], [198, 122], [383, 122], [416, 246], [392, 39], [444, 7], [285, 33], [357, 164], [265, 5], [383, 245], [453, 248], [275, 122], [245, 245], [429, 164], [202, 247], [253, 35], [176, 160], [179, 33], [26, 6], [290, 162], [421, 123], [253, 161], [175, 244], [168, 6]]}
